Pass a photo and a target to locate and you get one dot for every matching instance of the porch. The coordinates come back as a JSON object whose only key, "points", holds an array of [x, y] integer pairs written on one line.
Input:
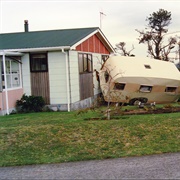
{"points": [[10, 80]]}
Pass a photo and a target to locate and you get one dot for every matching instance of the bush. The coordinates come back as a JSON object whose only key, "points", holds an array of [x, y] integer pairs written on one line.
{"points": [[30, 104]]}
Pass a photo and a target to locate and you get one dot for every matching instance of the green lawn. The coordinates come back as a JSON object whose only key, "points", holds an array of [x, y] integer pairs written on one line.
{"points": [[53, 137]]}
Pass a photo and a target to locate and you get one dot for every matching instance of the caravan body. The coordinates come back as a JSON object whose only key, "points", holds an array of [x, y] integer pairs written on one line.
{"points": [[132, 79]]}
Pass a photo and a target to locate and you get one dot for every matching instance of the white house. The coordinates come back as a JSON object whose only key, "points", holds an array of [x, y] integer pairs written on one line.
{"points": [[58, 65]]}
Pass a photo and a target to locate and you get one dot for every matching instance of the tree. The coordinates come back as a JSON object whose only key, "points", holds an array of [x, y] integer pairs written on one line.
{"points": [[154, 35], [121, 47]]}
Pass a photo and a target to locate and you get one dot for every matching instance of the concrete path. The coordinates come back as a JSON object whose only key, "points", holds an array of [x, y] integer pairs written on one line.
{"points": [[164, 166]]}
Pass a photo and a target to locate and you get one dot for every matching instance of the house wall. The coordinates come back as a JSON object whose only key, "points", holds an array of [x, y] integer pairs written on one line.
{"points": [[57, 77], [26, 74], [0, 75], [74, 76], [1, 102], [13, 96]]}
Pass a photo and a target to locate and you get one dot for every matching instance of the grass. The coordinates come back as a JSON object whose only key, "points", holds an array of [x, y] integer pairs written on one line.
{"points": [[54, 137]]}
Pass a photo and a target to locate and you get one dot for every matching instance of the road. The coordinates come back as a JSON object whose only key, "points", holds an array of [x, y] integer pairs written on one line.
{"points": [[164, 166]]}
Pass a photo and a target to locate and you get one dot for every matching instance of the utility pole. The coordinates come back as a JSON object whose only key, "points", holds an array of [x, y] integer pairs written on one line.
{"points": [[101, 14]]}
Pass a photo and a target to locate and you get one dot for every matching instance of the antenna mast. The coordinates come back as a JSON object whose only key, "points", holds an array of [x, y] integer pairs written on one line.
{"points": [[101, 14]]}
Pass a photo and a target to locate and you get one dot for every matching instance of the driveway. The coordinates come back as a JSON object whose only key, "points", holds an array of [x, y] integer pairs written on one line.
{"points": [[164, 166]]}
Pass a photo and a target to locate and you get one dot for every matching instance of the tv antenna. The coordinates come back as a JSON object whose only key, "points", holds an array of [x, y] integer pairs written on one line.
{"points": [[101, 15]]}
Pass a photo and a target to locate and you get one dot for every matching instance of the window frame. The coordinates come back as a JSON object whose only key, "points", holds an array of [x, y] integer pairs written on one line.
{"points": [[13, 76], [106, 76], [104, 57], [147, 66], [33, 60], [149, 88], [170, 89], [119, 86], [85, 62]]}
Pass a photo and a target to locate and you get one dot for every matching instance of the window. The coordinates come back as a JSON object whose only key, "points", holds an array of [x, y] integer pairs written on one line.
{"points": [[170, 89], [144, 88], [119, 86], [85, 63], [106, 76], [104, 57], [147, 66], [38, 62], [12, 73]]}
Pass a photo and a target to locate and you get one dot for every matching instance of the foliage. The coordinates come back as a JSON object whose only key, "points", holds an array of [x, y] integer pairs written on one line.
{"points": [[121, 47], [110, 95], [54, 137], [30, 104], [168, 106], [154, 35]]}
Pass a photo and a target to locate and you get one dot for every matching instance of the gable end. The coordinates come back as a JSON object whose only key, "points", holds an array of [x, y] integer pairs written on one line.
{"points": [[94, 45]]}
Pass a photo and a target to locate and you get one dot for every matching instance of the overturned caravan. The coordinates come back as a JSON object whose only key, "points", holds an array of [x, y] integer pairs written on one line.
{"points": [[131, 79]]}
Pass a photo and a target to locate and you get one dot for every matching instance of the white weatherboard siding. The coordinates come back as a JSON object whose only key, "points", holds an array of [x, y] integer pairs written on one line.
{"points": [[74, 76], [26, 74], [96, 65], [57, 77]]}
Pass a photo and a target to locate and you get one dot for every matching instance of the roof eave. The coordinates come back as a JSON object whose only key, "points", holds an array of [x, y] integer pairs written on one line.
{"points": [[10, 53], [38, 49]]}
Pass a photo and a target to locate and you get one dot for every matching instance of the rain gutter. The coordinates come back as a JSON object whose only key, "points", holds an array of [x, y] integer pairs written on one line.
{"points": [[67, 79], [38, 49]]}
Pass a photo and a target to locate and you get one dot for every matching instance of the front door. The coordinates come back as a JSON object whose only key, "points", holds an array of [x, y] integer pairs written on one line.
{"points": [[40, 76]]}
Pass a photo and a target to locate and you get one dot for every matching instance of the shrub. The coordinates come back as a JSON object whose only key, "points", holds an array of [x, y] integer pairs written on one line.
{"points": [[30, 104], [168, 106]]}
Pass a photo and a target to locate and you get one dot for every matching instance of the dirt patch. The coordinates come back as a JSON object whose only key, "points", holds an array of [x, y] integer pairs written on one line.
{"points": [[152, 111], [138, 111]]}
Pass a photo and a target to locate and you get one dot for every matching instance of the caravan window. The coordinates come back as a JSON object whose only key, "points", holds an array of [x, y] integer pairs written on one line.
{"points": [[144, 88], [147, 66], [119, 86], [170, 89]]}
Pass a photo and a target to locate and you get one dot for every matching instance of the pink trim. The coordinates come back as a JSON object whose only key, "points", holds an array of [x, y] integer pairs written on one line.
{"points": [[1, 101]]}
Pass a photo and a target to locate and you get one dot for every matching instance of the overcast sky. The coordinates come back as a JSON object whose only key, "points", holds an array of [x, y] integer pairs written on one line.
{"points": [[121, 17]]}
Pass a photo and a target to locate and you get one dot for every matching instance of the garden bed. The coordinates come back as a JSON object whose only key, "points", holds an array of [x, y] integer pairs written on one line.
{"points": [[152, 111]]}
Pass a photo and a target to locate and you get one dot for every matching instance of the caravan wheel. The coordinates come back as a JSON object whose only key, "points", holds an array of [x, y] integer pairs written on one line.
{"points": [[137, 101], [133, 101]]}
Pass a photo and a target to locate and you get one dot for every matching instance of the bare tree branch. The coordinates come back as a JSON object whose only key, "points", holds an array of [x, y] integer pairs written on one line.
{"points": [[121, 47]]}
